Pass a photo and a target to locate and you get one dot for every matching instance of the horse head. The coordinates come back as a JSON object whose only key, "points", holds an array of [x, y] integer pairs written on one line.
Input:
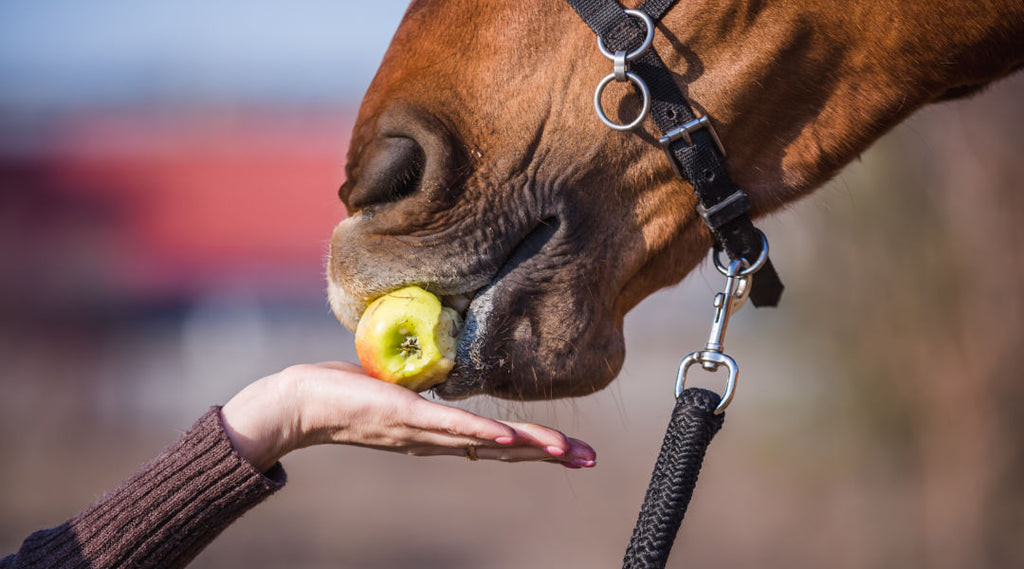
{"points": [[478, 170]]}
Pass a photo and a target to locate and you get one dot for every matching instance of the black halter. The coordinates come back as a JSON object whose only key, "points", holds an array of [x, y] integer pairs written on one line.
{"points": [[689, 141], [696, 154]]}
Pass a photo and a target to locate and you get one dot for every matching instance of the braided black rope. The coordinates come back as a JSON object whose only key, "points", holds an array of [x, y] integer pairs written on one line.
{"points": [[689, 433]]}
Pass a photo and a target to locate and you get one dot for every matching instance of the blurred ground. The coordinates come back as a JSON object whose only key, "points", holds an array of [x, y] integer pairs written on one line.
{"points": [[151, 268]]}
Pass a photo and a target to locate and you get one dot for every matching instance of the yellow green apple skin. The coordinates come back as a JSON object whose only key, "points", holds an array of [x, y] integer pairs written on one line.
{"points": [[408, 337]]}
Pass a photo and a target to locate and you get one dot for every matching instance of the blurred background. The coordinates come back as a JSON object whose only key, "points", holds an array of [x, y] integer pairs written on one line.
{"points": [[168, 177]]}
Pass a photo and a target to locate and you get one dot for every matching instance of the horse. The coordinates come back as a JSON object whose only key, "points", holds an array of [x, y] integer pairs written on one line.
{"points": [[478, 170]]}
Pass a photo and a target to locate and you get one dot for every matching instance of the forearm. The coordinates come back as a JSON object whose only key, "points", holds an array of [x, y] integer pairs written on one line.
{"points": [[162, 516]]}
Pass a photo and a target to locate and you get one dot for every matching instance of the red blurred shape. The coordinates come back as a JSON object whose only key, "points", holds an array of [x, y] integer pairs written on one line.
{"points": [[210, 197]]}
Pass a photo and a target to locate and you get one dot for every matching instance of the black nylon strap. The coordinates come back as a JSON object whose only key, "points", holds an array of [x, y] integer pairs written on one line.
{"points": [[700, 162], [656, 8], [604, 15]]}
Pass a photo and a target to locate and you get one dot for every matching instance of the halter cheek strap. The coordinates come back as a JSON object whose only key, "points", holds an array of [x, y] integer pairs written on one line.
{"points": [[689, 141]]}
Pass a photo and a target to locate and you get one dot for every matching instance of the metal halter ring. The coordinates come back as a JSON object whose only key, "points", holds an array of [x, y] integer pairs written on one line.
{"points": [[643, 47], [621, 72], [644, 92], [751, 267]]}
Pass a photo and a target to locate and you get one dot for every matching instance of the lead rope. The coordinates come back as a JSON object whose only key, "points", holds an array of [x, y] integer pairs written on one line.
{"points": [[697, 416], [689, 433]]}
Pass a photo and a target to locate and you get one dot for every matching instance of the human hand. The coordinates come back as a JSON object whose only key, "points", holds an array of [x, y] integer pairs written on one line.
{"points": [[336, 403]]}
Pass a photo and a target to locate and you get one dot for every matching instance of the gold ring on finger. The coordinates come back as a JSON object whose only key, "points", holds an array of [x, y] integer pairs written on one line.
{"points": [[471, 453]]}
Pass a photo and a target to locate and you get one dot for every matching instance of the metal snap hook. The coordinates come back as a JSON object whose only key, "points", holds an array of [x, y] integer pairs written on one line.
{"points": [[716, 358]]}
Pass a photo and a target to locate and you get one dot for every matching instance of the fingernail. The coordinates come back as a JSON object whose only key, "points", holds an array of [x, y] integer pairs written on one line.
{"points": [[578, 456], [506, 440], [555, 451], [583, 462]]}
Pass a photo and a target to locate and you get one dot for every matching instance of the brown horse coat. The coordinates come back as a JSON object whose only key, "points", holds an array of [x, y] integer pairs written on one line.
{"points": [[478, 170]]}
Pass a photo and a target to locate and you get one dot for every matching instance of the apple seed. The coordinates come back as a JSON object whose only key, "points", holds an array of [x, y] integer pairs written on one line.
{"points": [[410, 346]]}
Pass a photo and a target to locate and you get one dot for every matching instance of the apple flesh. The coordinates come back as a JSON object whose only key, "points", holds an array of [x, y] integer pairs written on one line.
{"points": [[409, 338]]}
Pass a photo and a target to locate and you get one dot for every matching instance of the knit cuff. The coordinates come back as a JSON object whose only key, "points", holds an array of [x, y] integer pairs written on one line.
{"points": [[166, 513]]}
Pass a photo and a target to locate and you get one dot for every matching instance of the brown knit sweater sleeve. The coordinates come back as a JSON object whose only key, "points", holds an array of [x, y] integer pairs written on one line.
{"points": [[162, 516]]}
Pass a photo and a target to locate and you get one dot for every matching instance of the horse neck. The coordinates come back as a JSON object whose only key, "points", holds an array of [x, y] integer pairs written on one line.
{"points": [[800, 89], [941, 44]]}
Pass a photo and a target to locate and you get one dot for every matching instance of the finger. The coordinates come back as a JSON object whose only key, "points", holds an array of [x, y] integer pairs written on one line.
{"points": [[554, 442], [428, 443], [551, 443], [443, 442], [503, 454], [460, 424], [524, 454], [580, 450]]}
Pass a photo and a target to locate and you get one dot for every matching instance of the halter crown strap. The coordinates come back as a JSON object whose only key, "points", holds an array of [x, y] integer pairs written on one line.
{"points": [[689, 141]]}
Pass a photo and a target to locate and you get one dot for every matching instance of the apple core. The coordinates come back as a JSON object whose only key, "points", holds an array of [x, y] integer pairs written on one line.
{"points": [[408, 337]]}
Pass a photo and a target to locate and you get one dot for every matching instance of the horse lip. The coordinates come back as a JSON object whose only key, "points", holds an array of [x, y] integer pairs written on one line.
{"points": [[479, 319], [527, 247]]}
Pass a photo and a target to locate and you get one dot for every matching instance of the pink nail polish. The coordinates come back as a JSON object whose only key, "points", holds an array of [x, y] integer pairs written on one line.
{"points": [[555, 451], [506, 440]]}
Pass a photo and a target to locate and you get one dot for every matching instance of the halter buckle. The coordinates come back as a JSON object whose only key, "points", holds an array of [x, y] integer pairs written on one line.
{"points": [[686, 129], [683, 132]]}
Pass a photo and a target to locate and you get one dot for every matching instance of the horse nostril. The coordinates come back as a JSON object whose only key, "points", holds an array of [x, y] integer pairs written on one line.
{"points": [[389, 171]]}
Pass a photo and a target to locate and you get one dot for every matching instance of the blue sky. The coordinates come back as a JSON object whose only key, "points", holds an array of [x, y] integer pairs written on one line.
{"points": [[68, 53]]}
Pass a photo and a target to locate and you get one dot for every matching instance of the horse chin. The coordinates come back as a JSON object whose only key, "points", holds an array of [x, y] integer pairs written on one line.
{"points": [[511, 347]]}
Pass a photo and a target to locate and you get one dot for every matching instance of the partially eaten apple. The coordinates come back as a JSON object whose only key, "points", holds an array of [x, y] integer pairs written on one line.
{"points": [[409, 338]]}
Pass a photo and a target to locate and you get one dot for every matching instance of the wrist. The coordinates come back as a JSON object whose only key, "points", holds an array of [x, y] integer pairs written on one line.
{"points": [[251, 450], [258, 422]]}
